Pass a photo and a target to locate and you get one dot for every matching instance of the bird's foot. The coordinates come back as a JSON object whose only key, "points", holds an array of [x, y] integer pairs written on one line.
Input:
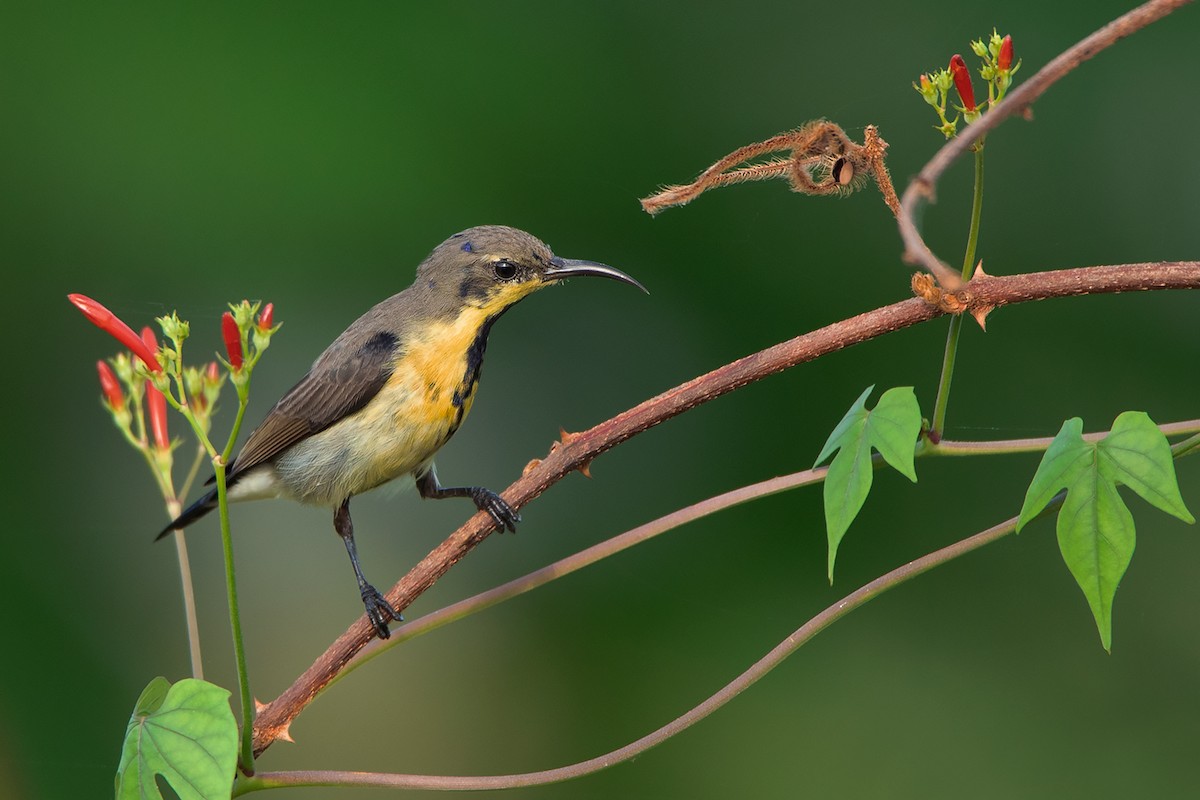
{"points": [[379, 610], [506, 516]]}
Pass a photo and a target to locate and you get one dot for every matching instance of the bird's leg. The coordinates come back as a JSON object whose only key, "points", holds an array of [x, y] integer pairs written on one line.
{"points": [[506, 516], [379, 610]]}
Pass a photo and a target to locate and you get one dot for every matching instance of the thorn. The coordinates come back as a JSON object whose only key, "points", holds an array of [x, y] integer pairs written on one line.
{"points": [[980, 314], [285, 733], [979, 273], [566, 437], [259, 706], [533, 462], [586, 469]]}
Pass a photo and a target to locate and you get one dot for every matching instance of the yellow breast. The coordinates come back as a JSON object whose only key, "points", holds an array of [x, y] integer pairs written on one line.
{"points": [[436, 372]]}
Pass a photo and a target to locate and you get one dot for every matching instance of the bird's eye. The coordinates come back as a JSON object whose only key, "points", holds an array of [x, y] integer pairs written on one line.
{"points": [[505, 270]]}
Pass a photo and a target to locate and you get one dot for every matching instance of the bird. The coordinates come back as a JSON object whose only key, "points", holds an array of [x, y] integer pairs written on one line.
{"points": [[392, 389]]}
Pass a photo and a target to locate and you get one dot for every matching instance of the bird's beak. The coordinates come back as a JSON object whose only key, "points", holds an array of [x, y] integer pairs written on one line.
{"points": [[561, 268]]}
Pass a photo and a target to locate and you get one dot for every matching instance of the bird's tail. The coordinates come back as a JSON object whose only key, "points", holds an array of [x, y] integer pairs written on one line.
{"points": [[194, 512]]}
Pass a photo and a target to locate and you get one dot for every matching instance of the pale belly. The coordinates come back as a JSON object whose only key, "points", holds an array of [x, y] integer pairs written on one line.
{"points": [[396, 434]]}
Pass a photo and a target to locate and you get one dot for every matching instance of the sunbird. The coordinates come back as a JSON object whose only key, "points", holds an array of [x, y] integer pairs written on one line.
{"points": [[393, 388]]}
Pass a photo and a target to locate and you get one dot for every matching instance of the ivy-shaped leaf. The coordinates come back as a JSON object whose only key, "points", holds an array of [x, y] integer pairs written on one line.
{"points": [[892, 428], [1095, 528], [187, 734]]}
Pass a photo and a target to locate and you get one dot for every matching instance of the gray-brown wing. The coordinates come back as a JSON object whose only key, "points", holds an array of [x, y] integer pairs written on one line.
{"points": [[339, 384]]}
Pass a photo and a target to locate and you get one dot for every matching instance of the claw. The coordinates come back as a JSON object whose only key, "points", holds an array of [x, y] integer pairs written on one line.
{"points": [[379, 611], [504, 515]]}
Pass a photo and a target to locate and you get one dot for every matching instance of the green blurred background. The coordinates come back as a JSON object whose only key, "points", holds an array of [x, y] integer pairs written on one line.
{"points": [[311, 154]]}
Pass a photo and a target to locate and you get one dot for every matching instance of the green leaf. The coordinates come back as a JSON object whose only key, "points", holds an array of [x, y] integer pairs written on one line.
{"points": [[1064, 460], [892, 428], [854, 415], [1136, 454], [1095, 527], [1096, 538], [187, 734]]}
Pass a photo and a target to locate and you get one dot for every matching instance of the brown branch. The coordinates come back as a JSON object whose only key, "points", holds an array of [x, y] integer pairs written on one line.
{"points": [[1018, 101], [576, 451]]}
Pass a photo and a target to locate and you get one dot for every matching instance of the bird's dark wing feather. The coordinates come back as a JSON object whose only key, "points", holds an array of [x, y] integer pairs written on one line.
{"points": [[340, 383]]}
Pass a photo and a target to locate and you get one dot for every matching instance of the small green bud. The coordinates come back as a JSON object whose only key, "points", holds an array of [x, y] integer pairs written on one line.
{"points": [[243, 313], [994, 44], [943, 80], [174, 328]]}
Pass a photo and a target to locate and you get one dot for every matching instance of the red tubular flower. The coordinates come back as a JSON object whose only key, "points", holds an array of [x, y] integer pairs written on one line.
{"points": [[233, 339], [156, 403], [110, 386], [266, 317], [104, 319], [1005, 59], [962, 81]]}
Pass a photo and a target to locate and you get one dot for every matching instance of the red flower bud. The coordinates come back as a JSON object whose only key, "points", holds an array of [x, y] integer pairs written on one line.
{"points": [[266, 318], [1005, 59], [213, 371], [104, 319], [233, 339], [962, 81], [110, 386], [156, 403]]}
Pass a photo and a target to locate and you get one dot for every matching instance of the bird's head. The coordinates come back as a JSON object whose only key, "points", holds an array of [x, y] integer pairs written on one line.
{"points": [[491, 267]]}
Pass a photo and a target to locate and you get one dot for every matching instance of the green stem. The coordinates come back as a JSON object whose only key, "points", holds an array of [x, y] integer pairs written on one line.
{"points": [[956, 321], [1187, 447], [235, 621], [243, 393]]}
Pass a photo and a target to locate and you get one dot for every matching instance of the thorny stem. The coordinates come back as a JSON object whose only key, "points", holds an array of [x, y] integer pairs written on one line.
{"points": [[676, 519], [577, 450], [938, 424]]}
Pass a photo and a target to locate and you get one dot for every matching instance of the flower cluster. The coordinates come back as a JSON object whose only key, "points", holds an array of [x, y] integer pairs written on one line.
{"points": [[997, 71], [246, 329], [157, 373]]}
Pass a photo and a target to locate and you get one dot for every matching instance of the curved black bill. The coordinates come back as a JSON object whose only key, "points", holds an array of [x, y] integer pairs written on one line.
{"points": [[561, 268]]}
